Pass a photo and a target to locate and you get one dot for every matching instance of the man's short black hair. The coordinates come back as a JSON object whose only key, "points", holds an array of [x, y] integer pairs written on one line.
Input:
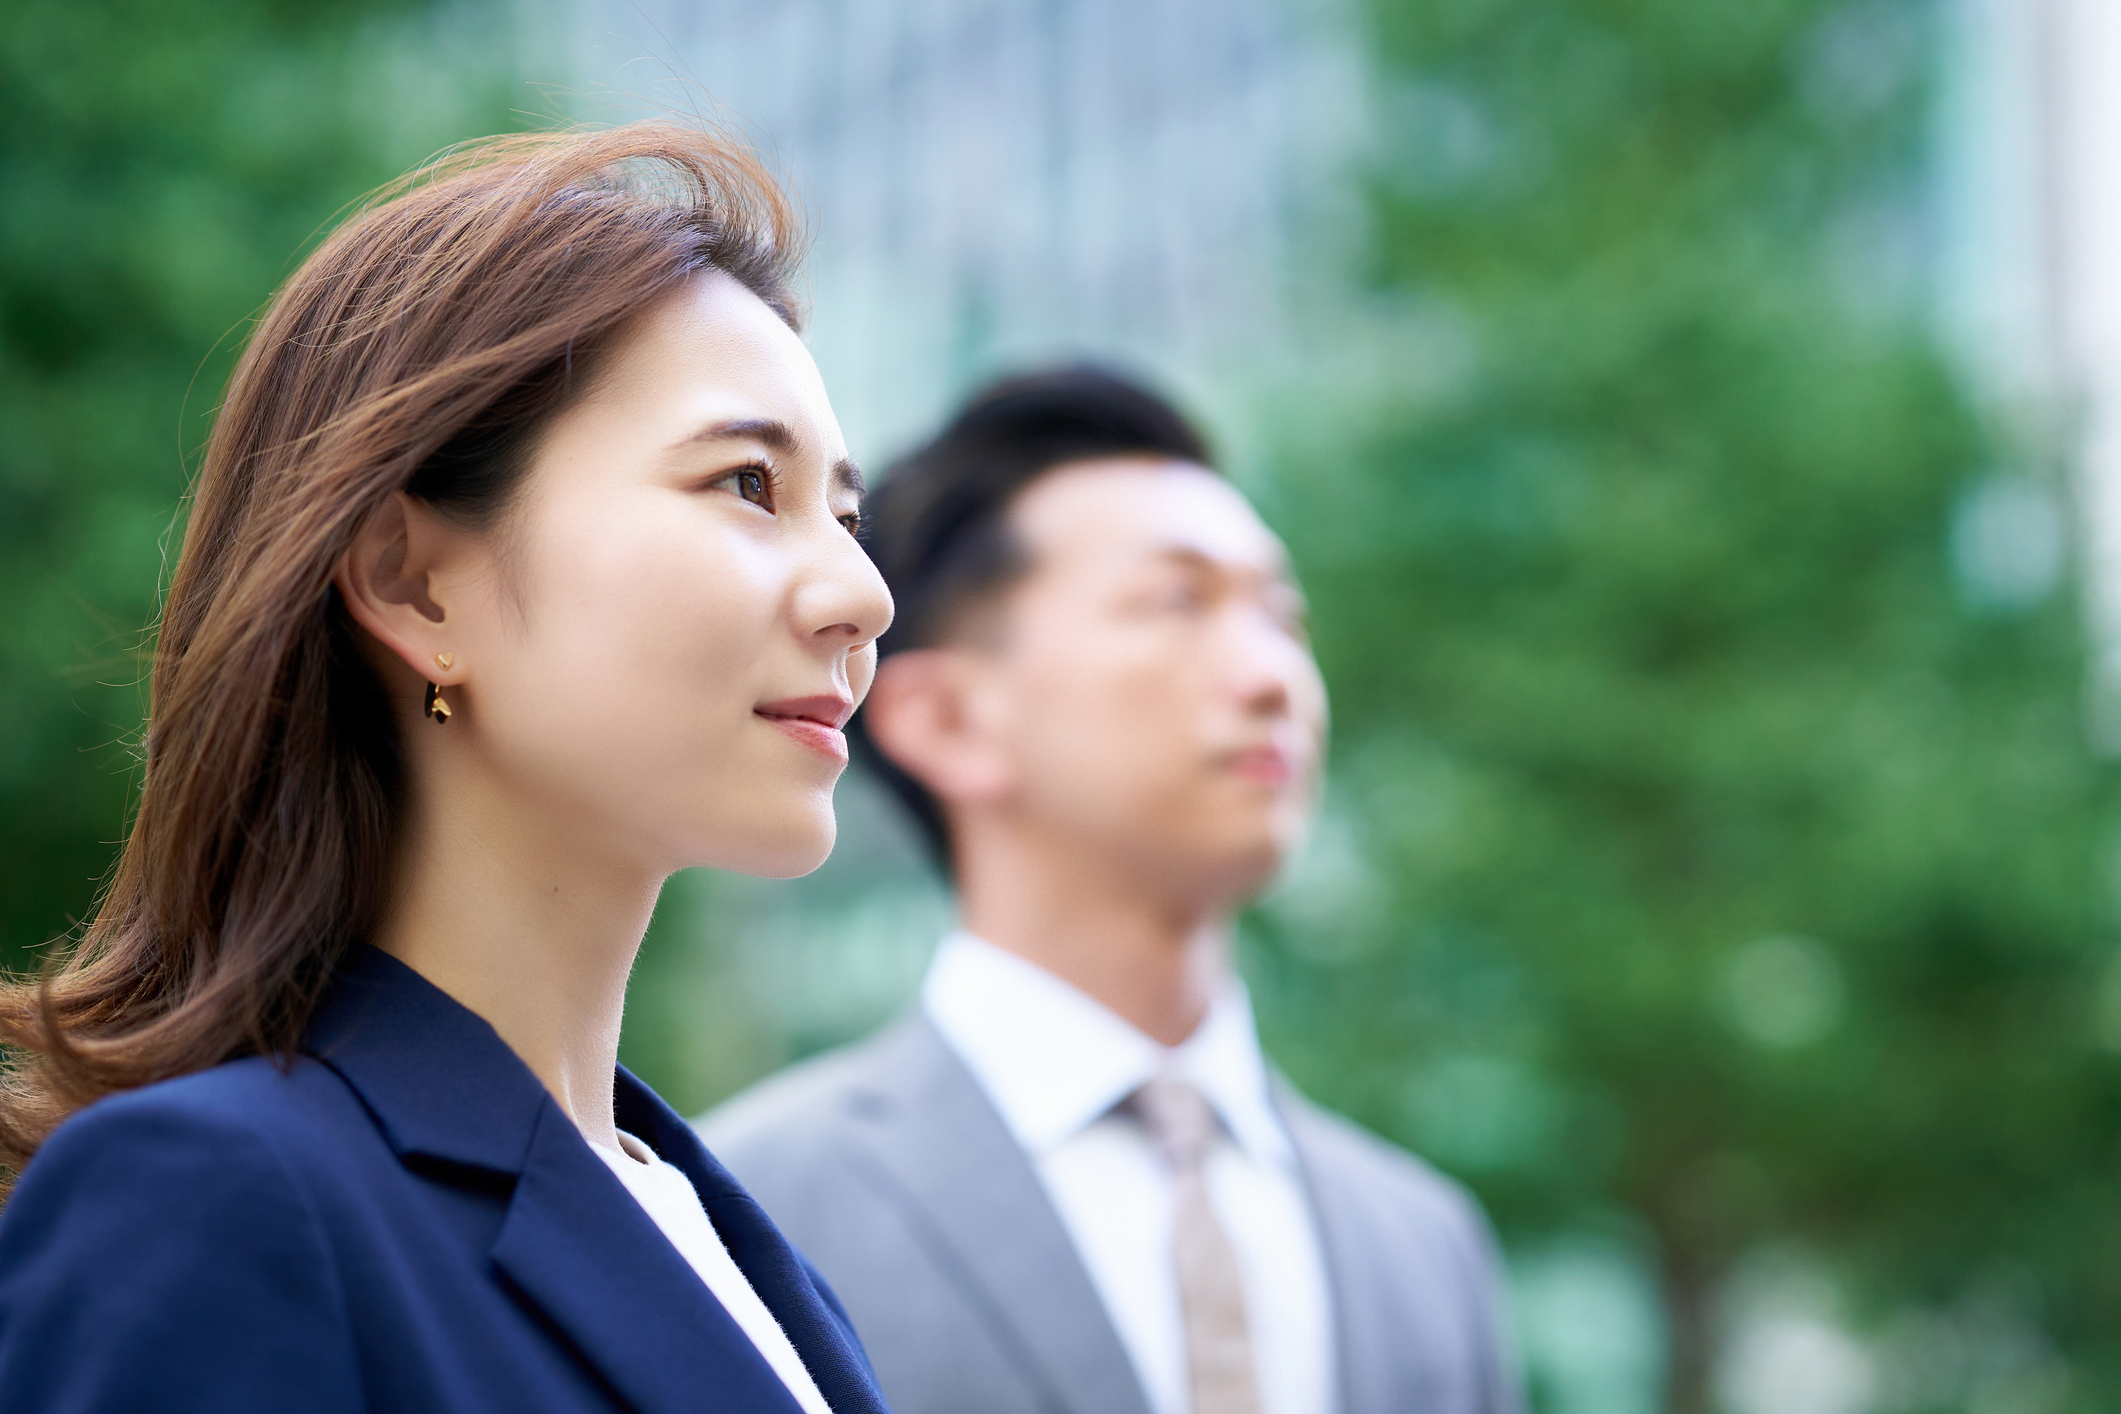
{"points": [[937, 524]]}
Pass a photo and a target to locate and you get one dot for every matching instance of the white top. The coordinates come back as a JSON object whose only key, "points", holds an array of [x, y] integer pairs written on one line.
{"points": [[667, 1196], [1055, 1063]]}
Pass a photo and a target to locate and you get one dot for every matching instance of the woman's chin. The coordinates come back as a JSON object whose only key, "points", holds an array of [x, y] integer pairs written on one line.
{"points": [[785, 849], [789, 868]]}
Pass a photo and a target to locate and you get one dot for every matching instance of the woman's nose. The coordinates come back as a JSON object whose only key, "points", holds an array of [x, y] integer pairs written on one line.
{"points": [[844, 601]]}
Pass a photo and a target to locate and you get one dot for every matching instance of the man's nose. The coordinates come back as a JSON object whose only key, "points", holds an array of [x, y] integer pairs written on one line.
{"points": [[1265, 662]]}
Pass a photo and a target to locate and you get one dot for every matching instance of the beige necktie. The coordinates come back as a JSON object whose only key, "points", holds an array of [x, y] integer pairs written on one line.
{"points": [[1218, 1347]]}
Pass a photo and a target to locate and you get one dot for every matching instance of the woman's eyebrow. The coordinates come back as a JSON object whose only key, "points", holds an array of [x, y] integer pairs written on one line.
{"points": [[776, 436], [767, 432]]}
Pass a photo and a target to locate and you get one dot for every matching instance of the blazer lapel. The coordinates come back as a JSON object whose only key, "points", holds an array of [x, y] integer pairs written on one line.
{"points": [[451, 1098], [835, 1362], [1362, 1323], [937, 1147], [1396, 1333], [578, 1247], [1362, 1328]]}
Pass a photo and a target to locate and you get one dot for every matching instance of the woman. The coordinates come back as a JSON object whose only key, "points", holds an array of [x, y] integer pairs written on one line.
{"points": [[519, 574]]}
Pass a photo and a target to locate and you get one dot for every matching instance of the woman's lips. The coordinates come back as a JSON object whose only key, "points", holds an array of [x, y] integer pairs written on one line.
{"points": [[816, 735], [813, 721]]}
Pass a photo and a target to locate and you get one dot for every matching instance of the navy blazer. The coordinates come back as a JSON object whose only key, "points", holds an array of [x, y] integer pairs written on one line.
{"points": [[401, 1220]]}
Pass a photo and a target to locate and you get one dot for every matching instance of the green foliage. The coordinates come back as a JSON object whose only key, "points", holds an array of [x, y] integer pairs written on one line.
{"points": [[163, 165], [1727, 861]]}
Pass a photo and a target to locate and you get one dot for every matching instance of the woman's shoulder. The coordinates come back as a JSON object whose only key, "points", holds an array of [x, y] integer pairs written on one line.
{"points": [[170, 1178], [223, 1134], [154, 1229], [252, 1086]]}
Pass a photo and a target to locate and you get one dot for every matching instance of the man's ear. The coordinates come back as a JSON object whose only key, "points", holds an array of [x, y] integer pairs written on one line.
{"points": [[386, 579], [920, 713]]}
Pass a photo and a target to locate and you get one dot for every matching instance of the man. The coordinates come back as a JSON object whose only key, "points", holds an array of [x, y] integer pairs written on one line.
{"points": [[1068, 1183]]}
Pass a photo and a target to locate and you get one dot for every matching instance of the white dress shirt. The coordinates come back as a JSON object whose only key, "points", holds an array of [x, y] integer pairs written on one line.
{"points": [[673, 1205], [1056, 1063]]}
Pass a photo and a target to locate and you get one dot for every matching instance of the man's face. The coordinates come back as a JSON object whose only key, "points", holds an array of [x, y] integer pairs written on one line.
{"points": [[1148, 684]]}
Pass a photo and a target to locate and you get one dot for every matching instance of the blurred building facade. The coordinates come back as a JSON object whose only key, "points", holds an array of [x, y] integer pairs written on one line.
{"points": [[2030, 285], [993, 182]]}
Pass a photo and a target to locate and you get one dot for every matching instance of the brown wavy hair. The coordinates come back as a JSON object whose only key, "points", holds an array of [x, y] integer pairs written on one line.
{"points": [[421, 348]]}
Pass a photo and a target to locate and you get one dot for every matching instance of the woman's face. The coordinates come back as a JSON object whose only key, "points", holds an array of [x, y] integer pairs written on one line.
{"points": [[657, 645]]}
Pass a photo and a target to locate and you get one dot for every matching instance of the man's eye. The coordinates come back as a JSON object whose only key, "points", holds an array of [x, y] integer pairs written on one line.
{"points": [[1291, 613]]}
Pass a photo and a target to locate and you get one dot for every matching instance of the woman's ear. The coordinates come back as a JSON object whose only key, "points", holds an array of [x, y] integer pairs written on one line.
{"points": [[386, 578], [920, 714]]}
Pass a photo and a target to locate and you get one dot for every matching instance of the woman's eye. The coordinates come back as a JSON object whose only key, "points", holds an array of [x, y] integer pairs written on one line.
{"points": [[853, 521], [751, 483]]}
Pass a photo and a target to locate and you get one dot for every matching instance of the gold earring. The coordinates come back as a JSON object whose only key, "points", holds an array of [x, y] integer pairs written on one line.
{"points": [[437, 707]]}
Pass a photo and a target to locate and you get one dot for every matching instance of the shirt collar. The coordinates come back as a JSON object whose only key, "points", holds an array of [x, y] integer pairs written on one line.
{"points": [[1054, 1061]]}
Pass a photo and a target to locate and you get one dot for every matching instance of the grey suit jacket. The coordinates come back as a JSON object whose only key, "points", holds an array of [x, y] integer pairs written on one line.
{"points": [[886, 1164]]}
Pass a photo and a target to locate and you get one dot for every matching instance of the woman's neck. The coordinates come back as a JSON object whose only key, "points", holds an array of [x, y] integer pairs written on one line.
{"points": [[532, 929]]}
